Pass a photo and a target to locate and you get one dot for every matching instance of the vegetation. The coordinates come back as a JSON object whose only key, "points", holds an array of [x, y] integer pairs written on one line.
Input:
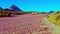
{"points": [[50, 12], [9, 13], [54, 18], [5, 13]]}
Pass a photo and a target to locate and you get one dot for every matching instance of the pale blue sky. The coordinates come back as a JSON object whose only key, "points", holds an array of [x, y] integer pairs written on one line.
{"points": [[32, 5]]}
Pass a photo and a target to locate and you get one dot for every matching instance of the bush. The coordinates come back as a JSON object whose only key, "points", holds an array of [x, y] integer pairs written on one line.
{"points": [[17, 13], [50, 12], [5, 14]]}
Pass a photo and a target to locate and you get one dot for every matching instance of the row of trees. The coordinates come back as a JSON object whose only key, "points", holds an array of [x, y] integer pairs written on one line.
{"points": [[9, 13]]}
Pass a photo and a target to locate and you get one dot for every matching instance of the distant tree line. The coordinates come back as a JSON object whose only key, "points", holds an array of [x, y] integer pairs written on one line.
{"points": [[9, 13], [6, 13]]}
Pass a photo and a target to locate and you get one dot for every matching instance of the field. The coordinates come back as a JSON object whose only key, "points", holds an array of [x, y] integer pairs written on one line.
{"points": [[23, 24]]}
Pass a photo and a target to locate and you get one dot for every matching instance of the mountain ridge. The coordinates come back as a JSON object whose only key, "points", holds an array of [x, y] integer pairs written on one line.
{"points": [[12, 8]]}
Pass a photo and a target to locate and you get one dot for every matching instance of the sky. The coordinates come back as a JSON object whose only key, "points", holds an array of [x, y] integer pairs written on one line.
{"points": [[33, 5]]}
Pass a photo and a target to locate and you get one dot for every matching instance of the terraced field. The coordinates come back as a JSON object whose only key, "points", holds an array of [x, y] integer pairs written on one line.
{"points": [[23, 24]]}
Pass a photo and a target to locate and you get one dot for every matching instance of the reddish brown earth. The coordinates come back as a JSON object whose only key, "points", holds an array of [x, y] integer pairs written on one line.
{"points": [[22, 24]]}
